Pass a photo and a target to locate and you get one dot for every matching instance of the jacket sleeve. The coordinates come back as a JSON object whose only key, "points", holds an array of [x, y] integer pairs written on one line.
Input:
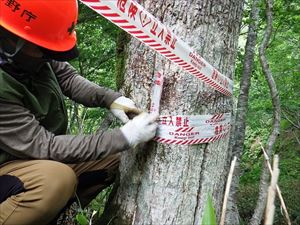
{"points": [[23, 137], [80, 89]]}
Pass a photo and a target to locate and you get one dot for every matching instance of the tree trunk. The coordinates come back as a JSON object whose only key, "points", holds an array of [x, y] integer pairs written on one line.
{"points": [[238, 137], [169, 184], [264, 178]]}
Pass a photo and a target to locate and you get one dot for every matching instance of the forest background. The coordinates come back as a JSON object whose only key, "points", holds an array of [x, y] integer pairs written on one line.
{"points": [[101, 61]]}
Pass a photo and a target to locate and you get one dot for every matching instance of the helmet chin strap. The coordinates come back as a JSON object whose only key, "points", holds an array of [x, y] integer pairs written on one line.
{"points": [[5, 56], [20, 44], [14, 61]]}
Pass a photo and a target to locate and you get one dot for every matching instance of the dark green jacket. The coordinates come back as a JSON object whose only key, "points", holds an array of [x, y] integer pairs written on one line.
{"points": [[33, 117]]}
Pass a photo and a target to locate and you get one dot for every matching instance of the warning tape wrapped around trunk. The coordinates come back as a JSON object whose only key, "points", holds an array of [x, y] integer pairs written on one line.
{"points": [[190, 130], [134, 19], [186, 130]]}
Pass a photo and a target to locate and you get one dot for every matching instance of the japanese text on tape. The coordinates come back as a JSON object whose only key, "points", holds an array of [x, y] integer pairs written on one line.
{"points": [[134, 19]]}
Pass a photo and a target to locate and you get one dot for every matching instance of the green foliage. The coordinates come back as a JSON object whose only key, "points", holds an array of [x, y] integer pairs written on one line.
{"points": [[247, 200], [283, 54], [81, 216], [209, 216], [102, 61], [289, 180], [97, 51], [290, 192], [98, 203], [97, 62], [81, 219]]}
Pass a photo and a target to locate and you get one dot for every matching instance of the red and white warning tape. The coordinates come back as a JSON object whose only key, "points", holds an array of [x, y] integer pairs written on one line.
{"points": [[180, 130], [134, 19], [156, 92], [189, 130]]}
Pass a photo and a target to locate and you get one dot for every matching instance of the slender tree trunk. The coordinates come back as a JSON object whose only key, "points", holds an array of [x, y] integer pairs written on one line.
{"points": [[238, 137], [263, 186], [169, 184]]}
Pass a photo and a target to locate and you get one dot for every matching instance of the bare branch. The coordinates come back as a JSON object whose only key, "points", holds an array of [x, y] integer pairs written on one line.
{"points": [[288, 119], [277, 187], [263, 186], [297, 139], [106, 122], [270, 209], [228, 184]]}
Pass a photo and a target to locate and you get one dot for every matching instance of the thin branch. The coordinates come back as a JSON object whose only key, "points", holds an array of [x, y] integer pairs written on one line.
{"points": [[297, 139], [288, 119], [263, 186], [106, 122], [275, 33], [270, 208], [277, 187], [85, 111], [76, 115], [228, 184]]}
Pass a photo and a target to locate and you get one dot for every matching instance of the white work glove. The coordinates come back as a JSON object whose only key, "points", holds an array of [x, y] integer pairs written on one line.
{"points": [[140, 129], [123, 106]]}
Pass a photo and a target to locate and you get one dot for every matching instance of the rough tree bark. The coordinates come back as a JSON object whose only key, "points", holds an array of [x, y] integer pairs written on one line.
{"points": [[238, 137], [168, 184], [263, 186]]}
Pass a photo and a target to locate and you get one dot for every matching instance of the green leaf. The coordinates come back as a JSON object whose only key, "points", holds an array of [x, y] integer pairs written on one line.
{"points": [[81, 219], [209, 216]]}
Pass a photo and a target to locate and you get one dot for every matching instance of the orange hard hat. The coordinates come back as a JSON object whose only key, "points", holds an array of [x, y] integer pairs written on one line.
{"points": [[47, 23]]}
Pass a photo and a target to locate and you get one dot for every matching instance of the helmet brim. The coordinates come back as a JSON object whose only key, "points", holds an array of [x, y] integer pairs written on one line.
{"points": [[61, 56]]}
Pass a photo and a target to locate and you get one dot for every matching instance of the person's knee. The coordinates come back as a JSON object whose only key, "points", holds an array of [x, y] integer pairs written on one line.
{"points": [[58, 185], [60, 178], [48, 186]]}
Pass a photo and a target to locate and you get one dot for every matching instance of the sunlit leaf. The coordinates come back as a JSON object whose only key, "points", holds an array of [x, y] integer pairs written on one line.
{"points": [[209, 216]]}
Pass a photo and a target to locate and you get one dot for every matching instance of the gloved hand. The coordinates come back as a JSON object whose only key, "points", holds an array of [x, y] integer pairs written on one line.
{"points": [[123, 106], [140, 129]]}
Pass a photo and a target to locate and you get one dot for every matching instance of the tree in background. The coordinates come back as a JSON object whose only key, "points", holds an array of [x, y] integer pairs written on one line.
{"points": [[262, 198], [239, 126], [97, 61], [97, 41], [283, 55], [169, 184]]}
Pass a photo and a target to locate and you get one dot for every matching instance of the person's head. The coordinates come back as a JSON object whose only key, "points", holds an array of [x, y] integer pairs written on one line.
{"points": [[39, 29]]}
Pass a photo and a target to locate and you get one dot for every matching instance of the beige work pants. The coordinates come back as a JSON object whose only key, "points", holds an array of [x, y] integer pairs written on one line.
{"points": [[49, 185]]}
